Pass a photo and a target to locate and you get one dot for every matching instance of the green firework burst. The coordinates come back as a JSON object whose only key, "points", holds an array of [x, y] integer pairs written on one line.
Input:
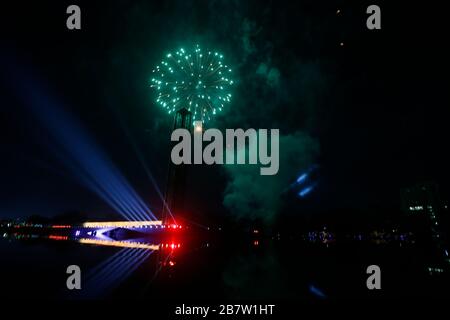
{"points": [[194, 79]]}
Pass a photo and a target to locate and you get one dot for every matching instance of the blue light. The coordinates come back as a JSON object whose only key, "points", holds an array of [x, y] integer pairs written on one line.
{"points": [[123, 266], [317, 292], [302, 178], [94, 272], [305, 191]]}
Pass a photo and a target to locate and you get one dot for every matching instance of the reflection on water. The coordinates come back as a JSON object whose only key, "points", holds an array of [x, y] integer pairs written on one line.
{"points": [[102, 278], [113, 271], [123, 264]]}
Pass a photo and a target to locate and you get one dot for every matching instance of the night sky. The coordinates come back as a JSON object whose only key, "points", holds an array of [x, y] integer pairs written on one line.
{"points": [[369, 108]]}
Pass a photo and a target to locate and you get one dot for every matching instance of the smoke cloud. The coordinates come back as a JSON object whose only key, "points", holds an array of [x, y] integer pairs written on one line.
{"points": [[251, 195]]}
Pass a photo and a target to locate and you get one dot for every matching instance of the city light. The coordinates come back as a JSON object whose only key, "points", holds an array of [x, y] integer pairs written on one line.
{"points": [[54, 237]]}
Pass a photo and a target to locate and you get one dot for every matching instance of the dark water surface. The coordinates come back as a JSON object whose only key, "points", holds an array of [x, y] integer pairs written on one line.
{"points": [[221, 269]]}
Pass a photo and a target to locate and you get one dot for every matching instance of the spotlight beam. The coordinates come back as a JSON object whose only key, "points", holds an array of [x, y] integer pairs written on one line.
{"points": [[71, 138]]}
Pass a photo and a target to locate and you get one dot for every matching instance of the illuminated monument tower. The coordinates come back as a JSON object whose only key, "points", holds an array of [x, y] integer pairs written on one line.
{"points": [[176, 180], [193, 85]]}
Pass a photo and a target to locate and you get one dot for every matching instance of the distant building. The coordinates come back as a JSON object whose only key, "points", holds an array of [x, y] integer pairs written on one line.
{"points": [[423, 204]]}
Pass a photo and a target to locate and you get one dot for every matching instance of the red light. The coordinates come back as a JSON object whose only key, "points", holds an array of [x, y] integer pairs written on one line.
{"points": [[171, 263], [58, 237], [256, 243]]}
